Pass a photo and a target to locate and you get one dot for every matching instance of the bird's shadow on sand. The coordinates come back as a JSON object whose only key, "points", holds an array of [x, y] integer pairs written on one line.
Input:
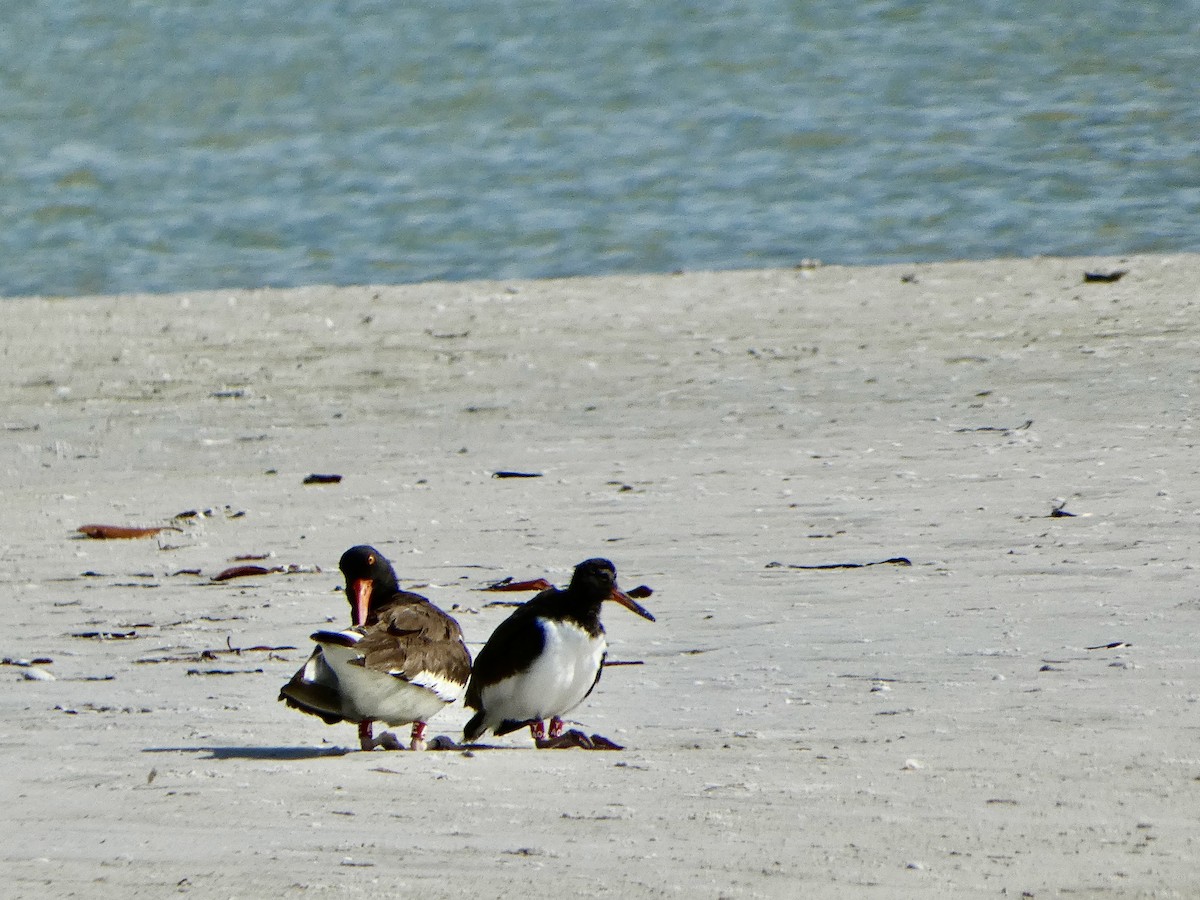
{"points": [[295, 753], [279, 753]]}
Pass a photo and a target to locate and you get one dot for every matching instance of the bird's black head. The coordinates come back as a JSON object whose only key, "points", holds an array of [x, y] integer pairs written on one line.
{"points": [[595, 580], [370, 580]]}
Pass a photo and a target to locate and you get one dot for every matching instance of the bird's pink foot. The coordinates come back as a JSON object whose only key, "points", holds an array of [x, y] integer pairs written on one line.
{"points": [[575, 738], [387, 740], [600, 742]]}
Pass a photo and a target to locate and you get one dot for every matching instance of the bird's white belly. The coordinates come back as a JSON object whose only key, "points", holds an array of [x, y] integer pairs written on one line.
{"points": [[368, 694], [559, 679]]}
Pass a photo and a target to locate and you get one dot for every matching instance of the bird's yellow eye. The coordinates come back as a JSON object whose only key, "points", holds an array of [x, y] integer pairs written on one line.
{"points": [[370, 560]]}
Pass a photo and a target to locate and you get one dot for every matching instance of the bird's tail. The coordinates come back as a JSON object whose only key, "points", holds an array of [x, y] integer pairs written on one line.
{"points": [[474, 728]]}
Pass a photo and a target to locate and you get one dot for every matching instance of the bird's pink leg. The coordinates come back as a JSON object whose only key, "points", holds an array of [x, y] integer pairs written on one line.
{"points": [[365, 741], [560, 739], [418, 736], [538, 730]]}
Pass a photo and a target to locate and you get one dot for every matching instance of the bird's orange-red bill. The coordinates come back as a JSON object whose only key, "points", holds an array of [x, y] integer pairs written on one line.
{"points": [[362, 599], [630, 604]]}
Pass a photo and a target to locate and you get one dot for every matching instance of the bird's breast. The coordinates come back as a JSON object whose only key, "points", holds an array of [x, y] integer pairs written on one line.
{"points": [[557, 679]]}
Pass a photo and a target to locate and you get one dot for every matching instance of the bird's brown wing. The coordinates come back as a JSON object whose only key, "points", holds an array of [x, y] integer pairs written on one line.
{"points": [[413, 636]]}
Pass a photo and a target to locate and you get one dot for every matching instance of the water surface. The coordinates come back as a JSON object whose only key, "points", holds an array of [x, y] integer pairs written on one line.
{"points": [[151, 146]]}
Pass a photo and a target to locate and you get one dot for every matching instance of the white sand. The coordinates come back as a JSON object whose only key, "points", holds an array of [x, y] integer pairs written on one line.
{"points": [[938, 730]]}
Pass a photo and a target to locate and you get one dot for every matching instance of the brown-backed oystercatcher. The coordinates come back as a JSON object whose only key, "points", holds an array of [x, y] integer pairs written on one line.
{"points": [[544, 659], [401, 660]]}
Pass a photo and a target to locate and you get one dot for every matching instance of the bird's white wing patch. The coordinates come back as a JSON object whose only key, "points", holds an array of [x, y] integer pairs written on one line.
{"points": [[446, 690]]}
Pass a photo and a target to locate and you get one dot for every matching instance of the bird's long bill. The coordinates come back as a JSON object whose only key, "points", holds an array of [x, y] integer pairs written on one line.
{"points": [[630, 604], [361, 591]]}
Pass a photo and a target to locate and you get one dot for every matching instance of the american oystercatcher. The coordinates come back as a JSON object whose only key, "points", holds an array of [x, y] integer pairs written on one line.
{"points": [[544, 659], [401, 660]]}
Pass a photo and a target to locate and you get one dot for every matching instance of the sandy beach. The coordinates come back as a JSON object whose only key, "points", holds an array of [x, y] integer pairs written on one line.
{"points": [[1012, 713]]}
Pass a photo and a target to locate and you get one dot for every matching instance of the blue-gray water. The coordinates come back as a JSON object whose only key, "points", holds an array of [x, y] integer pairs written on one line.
{"points": [[150, 145]]}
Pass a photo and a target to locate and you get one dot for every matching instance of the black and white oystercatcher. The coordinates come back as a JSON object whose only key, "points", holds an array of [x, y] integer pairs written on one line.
{"points": [[401, 661], [544, 659]]}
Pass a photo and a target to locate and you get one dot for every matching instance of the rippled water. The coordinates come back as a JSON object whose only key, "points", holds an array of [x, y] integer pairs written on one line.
{"points": [[184, 145]]}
